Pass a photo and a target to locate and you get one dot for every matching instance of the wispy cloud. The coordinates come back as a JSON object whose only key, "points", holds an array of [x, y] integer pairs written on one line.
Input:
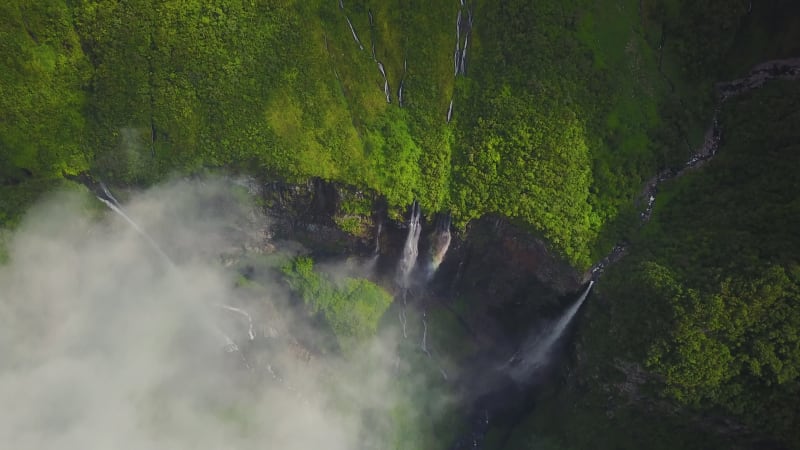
{"points": [[105, 345]]}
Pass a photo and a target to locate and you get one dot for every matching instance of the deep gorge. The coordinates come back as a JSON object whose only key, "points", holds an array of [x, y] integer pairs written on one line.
{"points": [[315, 224]]}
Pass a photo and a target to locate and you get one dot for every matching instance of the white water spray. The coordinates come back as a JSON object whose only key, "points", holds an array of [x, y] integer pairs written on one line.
{"points": [[450, 112], [535, 352], [353, 31], [410, 250], [402, 316], [112, 206], [111, 202], [108, 193], [244, 313], [408, 260]]}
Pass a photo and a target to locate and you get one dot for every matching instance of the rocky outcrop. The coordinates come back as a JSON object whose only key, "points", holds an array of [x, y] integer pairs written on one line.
{"points": [[306, 213]]}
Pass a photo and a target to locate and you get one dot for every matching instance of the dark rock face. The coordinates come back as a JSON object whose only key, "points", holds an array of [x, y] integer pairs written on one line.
{"points": [[524, 255], [509, 279], [305, 213]]}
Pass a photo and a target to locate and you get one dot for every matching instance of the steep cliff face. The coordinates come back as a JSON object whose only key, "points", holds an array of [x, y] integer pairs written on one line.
{"points": [[677, 335], [307, 213], [495, 285], [531, 117], [492, 259]]}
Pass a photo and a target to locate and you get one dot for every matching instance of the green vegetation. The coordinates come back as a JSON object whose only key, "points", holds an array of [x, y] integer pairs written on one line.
{"points": [[352, 310], [709, 300], [567, 108], [41, 91], [550, 127], [558, 129], [570, 421]]}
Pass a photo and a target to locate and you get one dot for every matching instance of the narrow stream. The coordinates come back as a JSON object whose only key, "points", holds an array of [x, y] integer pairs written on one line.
{"points": [[780, 69]]}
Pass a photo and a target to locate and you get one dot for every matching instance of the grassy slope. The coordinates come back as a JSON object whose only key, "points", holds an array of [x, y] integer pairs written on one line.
{"points": [[549, 127]]}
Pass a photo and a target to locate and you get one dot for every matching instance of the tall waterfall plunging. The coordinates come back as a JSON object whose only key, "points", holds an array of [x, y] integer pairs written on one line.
{"points": [[440, 242], [535, 351], [410, 249]]}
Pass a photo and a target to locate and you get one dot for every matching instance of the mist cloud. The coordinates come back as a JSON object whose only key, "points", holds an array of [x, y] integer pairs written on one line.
{"points": [[105, 344]]}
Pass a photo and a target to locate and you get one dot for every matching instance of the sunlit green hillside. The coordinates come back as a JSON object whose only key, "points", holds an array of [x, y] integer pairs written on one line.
{"points": [[560, 116]]}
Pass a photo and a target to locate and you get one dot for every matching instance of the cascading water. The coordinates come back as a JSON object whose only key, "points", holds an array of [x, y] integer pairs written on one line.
{"points": [[408, 260], [403, 321], [424, 342], [372, 261], [230, 345], [112, 206], [440, 242], [353, 31], [410, 249], [536, 350], [405, 269], [515, 377], [402, 83], [463, 28], [778, 69], [450, 111], [108, 193], [244, 313]]}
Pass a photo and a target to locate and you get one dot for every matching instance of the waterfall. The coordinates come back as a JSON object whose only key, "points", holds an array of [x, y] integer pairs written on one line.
{"points": [[112, 206], [402, 82], [410, 249], [400, 94], [108, 193], [244, 313], [456, 54], [450, 111], [230, 346], [377, 250], [353, 31], [462, 67], [458, 27], [386, 91], [403, 321], [408, 260], [440, 242], [463, 28], [536, 349], [780, 69]]}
